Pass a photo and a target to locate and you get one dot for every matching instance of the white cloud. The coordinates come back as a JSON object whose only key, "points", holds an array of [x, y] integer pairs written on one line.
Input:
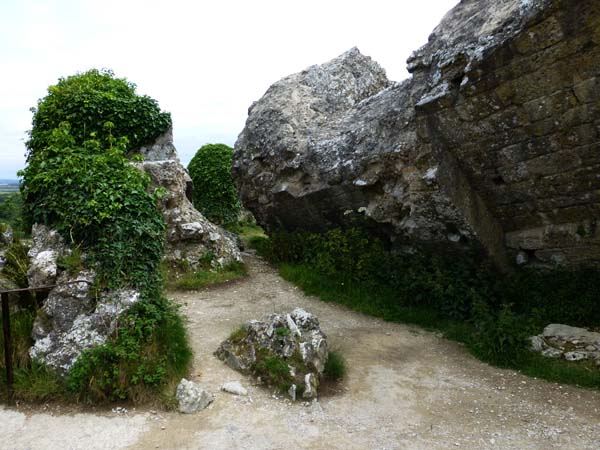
{"points": [[206, 62]]}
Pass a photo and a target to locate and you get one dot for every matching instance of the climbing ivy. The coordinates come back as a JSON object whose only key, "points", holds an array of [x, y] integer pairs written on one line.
{"points": [[94, 197], [87, 101]]}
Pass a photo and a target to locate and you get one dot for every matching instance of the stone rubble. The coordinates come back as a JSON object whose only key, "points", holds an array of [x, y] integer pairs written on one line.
{"points": [[567, 342], [235, 388], [191, 397]]}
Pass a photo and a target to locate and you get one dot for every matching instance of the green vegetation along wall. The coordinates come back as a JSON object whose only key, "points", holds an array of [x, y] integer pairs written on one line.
{"points": [[215, 195]]}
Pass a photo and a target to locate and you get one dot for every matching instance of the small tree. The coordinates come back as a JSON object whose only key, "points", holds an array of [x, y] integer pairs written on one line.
{"points": [[215, 194]]}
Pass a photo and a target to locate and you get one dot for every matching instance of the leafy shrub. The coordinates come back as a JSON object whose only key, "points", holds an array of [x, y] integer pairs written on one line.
{"points": [[275, 370], [11, 212], [214, 194], [149, 350], [87, 101]]}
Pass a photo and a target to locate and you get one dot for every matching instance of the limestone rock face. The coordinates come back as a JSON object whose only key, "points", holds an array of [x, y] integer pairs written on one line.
{"points": [[6, 240], [48, 245], [338, 141], [190, 236], [73, 319], [494, 138], [294, 338]]}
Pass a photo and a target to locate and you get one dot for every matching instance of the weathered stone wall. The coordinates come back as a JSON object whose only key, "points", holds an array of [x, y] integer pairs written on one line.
{"points": [[495, 137], [521, 119]]}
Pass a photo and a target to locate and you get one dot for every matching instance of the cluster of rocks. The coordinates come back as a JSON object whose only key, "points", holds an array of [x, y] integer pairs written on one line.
{"points": [[191, 397], [294, 338], [569, 343], [493, 139], [190, 236]]}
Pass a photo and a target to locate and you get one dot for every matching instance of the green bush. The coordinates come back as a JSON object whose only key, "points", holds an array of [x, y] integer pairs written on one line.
{"points": [[87, 101], [214, 195], [97, 199], [149, 351]]}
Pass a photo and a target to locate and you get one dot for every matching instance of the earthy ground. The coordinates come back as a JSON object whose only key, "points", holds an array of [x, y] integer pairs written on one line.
{"points": [[406, 389]]}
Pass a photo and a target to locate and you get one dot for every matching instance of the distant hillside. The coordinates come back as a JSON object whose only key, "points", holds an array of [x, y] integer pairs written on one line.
{"points": [[9, 185]]}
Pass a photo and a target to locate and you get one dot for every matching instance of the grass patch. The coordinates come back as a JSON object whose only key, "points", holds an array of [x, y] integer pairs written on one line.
{"points": [[246, 231], [462, 297], [336, 367], [191, 280]]}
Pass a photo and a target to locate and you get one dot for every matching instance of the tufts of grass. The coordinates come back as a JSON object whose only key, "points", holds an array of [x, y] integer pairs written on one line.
{"points": [[492, 314], [336, 367], [274, 370], [238, 335], [245, 230], [72, 263], [208, 277], [37, 383]]}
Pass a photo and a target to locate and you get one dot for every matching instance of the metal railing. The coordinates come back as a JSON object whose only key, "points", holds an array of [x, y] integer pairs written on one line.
{"points": [[4, 294]]}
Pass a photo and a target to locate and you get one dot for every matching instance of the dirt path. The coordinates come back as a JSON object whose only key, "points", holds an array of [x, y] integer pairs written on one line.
{"points": [[406, 389]]}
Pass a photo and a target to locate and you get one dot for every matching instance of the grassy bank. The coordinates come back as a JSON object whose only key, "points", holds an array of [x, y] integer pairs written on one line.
{"points": [[464, 298]]}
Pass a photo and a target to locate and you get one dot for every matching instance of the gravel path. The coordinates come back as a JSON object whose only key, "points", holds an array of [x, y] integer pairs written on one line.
{"points": [[406, 389]]}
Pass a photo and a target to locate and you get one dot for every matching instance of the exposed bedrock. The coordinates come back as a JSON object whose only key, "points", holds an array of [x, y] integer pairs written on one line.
{"points": [[190, 236], [494, 138]]}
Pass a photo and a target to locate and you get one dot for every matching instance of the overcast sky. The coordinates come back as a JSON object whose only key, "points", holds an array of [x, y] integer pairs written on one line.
{"points": [[205, 62]]}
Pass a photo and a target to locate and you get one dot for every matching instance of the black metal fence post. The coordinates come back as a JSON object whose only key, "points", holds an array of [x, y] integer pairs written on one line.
{"points": [[7, 346]]}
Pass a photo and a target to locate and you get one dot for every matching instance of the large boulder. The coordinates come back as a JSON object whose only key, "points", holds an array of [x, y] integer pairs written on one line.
{"points": [[190, 236], [287, 350], [493, 139]]}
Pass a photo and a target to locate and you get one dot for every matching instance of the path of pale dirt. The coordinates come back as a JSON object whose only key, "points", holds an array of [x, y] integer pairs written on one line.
{"points": [[406, 389]]}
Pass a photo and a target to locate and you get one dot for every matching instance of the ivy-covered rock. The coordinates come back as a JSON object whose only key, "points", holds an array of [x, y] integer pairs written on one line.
{"points": [[215, 194], [288, 351], [119, 337]]}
